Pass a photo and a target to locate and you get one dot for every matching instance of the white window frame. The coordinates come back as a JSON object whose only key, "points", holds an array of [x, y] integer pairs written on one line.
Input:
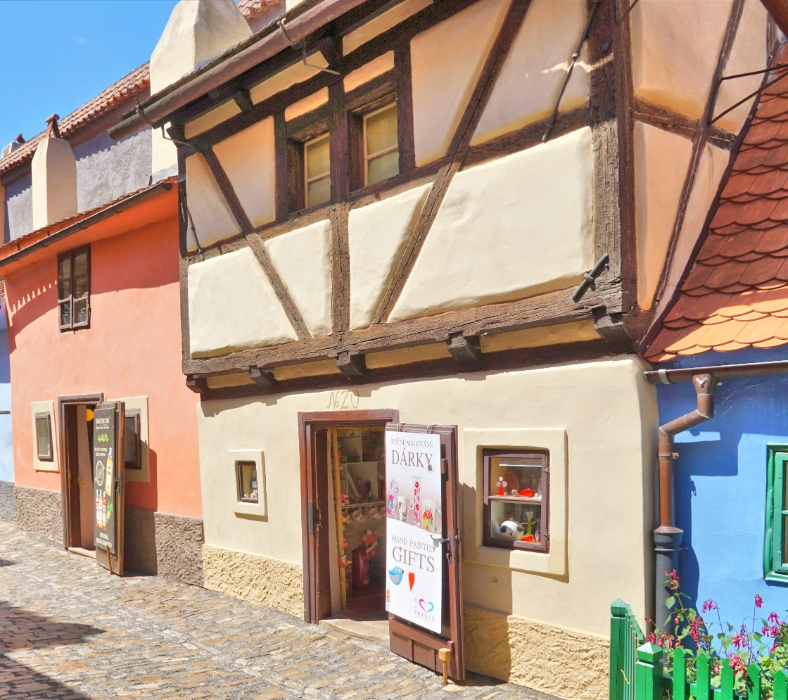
{"points": [[246, 508], [45, 465]]}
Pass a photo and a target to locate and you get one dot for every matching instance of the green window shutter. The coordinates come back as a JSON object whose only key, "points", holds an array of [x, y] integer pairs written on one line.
{"points": [[775, 566]]}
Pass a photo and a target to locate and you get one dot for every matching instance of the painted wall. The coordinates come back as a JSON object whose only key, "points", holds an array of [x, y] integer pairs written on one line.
{"points": [[721, 484], [106, 170], [598, 408], [6, 442], [132, 349], [18, 208]]}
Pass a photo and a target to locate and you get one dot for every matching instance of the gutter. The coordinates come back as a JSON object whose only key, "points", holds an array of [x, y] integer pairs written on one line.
{"points": [[668, 537], [156, 110], [89, 221], [778, 9]]}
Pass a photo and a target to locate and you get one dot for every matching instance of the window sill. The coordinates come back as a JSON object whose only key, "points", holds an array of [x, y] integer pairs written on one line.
{"points": [[774, 577], [253, 510]]}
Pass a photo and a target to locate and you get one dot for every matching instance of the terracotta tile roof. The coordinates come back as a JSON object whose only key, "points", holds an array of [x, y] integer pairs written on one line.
{"points": [[128, 86], [251, 9], [736, 295]]}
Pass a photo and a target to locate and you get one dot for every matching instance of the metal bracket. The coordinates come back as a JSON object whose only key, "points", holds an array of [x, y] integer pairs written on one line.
{"points": [[281, 25]]}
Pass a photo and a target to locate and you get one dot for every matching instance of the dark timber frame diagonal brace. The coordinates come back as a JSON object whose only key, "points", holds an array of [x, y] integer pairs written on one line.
{"points": [[698, 142], [256, 244], [458, 148]]}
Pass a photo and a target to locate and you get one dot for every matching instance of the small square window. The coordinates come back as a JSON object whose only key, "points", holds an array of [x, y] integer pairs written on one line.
{"points": [[44, 437], [246, 474], [317, 171], [381, 146], [516, 500], [132, 444]]}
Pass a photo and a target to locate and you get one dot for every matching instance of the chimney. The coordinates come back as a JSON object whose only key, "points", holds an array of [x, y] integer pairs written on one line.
{"points": [[54, 172], [11, 147], [197, 31]]}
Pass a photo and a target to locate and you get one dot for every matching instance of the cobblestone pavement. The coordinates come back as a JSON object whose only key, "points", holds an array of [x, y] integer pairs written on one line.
{"points": [[68, 629]]}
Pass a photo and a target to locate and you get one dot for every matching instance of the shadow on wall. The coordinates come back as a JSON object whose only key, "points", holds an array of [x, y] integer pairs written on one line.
{"points": [[23, 630]]}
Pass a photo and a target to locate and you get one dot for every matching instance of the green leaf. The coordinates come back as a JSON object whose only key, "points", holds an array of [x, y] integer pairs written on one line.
{"points": [[670, 602]]}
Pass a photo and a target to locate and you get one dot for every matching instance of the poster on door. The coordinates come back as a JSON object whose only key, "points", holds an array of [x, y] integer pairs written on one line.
{"points": [[414, 562], [104, 475]]}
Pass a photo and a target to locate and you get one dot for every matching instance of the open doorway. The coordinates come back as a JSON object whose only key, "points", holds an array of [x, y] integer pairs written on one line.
{"points": [[343, 497], [76, 439]]}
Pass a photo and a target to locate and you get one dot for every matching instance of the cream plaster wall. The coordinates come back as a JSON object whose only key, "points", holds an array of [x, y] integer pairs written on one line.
{"points": [[164, 154], [536, 67], [675, 46], [446, 61], [303, 260], [45, 465], [197, 31], [607, 411], [209, 211], [507, 229], [574, 332], [54, 175], [661, 161], [711, 168], [404, 356], [313, 101], [212, 118], [232, 306], [748, 54], [373, 69], [382, 23], [249, 159], [377, 234], [290, 76]]}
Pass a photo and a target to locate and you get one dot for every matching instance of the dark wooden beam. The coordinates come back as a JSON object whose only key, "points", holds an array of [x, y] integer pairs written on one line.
{"points": [[199, 385], [351, 365], [675, 122], [244, 100], [458, 148], [464, 349], [340, 268], [281, 169], [545, 309], [262, 377], [256, 244], [404, 90], [530, 358]]}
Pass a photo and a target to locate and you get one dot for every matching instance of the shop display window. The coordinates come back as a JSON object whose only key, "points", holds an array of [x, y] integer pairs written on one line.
{"points": [[516, 499], [246, 474], [44, 437]]}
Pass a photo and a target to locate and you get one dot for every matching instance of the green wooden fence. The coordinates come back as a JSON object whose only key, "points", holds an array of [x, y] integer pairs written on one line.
{"points": [[637, 670]]}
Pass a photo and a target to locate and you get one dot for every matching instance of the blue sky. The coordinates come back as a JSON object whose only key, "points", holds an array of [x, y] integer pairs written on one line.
{"points": [[58, 54]]}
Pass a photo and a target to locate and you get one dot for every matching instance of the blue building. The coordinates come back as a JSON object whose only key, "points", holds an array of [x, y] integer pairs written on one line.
{"points": [[729, 482]]}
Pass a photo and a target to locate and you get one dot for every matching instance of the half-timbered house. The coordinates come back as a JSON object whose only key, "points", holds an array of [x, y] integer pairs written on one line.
{"points": [[453, 217]]}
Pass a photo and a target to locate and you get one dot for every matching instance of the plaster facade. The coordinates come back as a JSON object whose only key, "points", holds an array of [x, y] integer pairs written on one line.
{"points": [[582, 402], [210, 214], [232, 306], [446, 61], [497, 215], [18, 208], [54, 177], [382, 23], [303, 260], [535, 69], [659, 156]]}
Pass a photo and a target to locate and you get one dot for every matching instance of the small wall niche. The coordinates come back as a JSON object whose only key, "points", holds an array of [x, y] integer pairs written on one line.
{"points": [[248, 474]]}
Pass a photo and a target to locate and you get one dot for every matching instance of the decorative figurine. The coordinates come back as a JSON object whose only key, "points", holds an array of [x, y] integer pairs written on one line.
{"points": [[509, 529], [527, 493], [529, 525], [370, 540], [393, 492], [501, 486]]}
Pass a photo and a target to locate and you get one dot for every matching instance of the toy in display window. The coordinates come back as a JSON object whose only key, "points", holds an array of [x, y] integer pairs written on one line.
{"points": [[516, 500], [247, 482]]}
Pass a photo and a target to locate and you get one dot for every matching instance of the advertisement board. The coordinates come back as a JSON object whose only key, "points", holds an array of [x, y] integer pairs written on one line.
{"points": [[414, 563], [104, 478]]}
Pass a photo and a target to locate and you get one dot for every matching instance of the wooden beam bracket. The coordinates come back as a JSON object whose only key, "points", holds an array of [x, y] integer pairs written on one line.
{"points": [[464, 349], [244, 100], [351, 365], [199, 385], [262, 377], [610, 325]]}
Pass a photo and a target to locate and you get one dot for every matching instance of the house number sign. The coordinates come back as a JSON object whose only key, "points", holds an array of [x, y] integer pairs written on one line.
{"points": [[414, 565], [344, 399]]}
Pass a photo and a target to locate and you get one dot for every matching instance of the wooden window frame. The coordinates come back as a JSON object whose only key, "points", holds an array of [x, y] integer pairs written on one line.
{"points": [[367, 156], [327, 174], [776, 511], [136, 414], [239, 481], [70, 299], [51, 456], [487, 539]]}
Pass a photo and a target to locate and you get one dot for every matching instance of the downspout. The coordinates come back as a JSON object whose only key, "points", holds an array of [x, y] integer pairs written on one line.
{"points": [[668, 537]]}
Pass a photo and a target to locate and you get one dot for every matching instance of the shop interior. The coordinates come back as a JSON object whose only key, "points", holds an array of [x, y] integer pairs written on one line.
{"points": [[78, 434]]}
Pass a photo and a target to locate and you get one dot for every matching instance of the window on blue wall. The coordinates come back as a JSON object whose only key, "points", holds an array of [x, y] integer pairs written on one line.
{"points": [[775, 552]]}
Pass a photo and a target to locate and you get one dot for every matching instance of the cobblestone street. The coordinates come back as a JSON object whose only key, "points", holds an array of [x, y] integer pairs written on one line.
{"points": [[68, 629]]}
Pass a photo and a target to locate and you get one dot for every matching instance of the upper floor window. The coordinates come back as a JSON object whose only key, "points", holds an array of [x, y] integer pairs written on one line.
{"points": [[775, 556], [381, 147], [317, 173], [73, 289]]}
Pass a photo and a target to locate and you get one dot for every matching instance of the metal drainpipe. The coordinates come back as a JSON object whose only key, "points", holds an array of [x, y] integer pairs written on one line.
{"points": [[667, 537]]}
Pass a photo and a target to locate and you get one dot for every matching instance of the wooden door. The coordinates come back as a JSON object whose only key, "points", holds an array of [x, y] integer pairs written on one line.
{"points": [[405, 638], [109, 484]]}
